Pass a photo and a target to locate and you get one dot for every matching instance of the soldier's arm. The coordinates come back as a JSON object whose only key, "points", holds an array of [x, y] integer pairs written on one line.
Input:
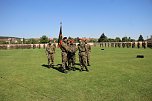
{"points": [[65, 47], [46, 51]]}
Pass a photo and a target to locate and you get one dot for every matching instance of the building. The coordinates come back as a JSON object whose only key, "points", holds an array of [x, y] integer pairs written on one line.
{"points": [[5, 39], [149, 42]]}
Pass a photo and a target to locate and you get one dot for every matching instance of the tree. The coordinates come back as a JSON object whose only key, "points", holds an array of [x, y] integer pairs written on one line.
{"points": [[32, 41], [129, 39], [102, 38], [110, 40], [44, 39], [124, 39], [132, 40], [140, 38], [117, 39]]}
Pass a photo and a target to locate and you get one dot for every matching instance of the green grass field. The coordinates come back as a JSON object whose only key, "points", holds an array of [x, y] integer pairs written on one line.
{"points": [[115, 75]]}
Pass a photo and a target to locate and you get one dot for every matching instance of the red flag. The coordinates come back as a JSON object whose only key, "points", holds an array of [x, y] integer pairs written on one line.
{"points": [[60, 36]]}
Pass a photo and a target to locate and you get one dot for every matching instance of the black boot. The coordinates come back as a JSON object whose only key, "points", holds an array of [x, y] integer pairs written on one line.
{"points": [[87, 69]]}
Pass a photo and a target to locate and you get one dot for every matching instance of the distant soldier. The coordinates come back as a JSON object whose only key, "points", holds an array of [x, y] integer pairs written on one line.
{"points": [[64, 49], [119, 44], [133, 45], [108, 44], [102, 44], [123, 45], [138, 44], [50, 51], [82, 55], [144, 44], [88, 51], [71, 55], [127, 44], [105, 44], [112, 44], [115, 45]]}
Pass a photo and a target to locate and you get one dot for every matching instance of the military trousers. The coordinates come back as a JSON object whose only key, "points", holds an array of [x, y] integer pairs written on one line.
{"points": [[50, 58], [71, 60], [82, 59], [64, 59]]}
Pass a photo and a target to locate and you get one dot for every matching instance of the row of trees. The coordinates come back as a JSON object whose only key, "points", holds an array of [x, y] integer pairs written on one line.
{"points": [[45, 39], [104, 38]]}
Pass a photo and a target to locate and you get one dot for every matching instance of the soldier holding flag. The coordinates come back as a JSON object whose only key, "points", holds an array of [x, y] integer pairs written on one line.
{"points": [[62, 43]]}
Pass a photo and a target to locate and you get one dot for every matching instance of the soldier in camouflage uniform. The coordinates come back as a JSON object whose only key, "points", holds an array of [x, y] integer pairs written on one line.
{"points": [[138, 44], [133, 44], [50, 51], [64, 49], [82, 55], [123, 45], [71, 55], [88, 51], [143, 44]]}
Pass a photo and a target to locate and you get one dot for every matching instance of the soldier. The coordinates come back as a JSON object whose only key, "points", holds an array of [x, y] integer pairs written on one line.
{"points": [[88, 52], [119, 44], [102, 44], [50, 51], [112, 44], [127, 44], [144, 44], [133, 44], [123, 45], [64, 49], [115, 45], [108, 44], [82, 55], [138, 45], [71, 55]]}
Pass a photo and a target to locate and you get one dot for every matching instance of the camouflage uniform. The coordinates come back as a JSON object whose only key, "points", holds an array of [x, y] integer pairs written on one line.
{"points": [[133, 44], [71, 56], [144, 44], [138, 45], [64, 49], [82, 55], [88, 53], [123, 45], [50, 51]]}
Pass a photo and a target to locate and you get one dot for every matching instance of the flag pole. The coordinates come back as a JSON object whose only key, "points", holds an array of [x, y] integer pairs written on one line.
{"points": [[60, 35]]}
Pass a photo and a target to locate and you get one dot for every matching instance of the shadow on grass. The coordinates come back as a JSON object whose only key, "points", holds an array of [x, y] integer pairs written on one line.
{"points": [[59, 68]]}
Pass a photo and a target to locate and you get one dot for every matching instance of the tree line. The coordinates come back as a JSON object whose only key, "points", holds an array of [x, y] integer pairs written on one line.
{"points": [[104, 38]]}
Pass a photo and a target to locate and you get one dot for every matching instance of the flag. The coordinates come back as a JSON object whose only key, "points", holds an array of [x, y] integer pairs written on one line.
{"points": [[60, 36]]}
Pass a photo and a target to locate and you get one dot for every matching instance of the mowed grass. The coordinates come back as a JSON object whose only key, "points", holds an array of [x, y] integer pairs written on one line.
{"points": [[115, 75]]}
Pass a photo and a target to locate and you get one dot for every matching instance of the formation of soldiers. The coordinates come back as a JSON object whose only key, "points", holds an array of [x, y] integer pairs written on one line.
{"points": [[123, 44], [68, 53]]}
